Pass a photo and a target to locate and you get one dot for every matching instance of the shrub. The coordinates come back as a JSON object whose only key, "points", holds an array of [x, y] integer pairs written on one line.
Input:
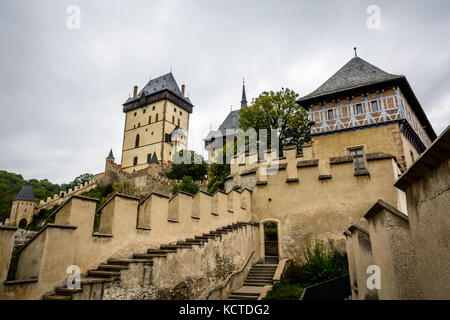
{"points": [[322, 263], [186, 185]]}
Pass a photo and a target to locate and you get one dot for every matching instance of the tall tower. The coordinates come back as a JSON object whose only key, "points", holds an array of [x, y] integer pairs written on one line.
{"points": [[156, 123], [22, 208]]}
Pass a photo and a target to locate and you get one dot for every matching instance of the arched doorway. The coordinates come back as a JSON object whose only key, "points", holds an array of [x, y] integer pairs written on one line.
{"points": [[271, 241], [23, 223]]}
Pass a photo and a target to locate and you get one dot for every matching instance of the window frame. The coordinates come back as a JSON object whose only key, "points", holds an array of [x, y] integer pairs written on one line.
{"points": [[358, 158], [328, 115]]}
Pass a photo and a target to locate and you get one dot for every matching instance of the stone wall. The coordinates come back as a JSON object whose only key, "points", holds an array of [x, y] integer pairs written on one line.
{"points": [[126, 225], [315, 198], [412, 251]]}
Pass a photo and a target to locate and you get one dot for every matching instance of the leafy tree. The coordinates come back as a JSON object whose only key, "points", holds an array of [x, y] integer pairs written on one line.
{"points": [[82, 178], [186, 185], [126, 187], [279, 111], [10, 185], [192, 165], [217, 172]]}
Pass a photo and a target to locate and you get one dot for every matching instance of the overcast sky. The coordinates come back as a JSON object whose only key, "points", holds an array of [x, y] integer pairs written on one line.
{"points": [[62, 89]]}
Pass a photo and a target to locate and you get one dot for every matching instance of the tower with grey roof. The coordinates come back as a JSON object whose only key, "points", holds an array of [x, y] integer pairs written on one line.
{"points": [[22, 208], [156, 123]]}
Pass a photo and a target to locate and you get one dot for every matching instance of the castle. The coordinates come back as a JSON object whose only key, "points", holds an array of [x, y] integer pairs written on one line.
{"points": [[371, 140]]}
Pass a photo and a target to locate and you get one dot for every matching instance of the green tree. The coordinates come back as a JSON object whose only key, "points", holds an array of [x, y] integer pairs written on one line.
{"points": [[82, 178], [10, 185], [125, 187], [186, 185], [191, 164], [217, 172], [279, 111]]}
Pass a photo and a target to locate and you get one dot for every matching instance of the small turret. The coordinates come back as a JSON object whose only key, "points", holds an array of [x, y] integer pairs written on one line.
{"points": [[110, 155], [22, 208]]}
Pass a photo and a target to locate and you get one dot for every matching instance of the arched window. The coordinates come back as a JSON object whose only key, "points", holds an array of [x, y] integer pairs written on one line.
{"points": [[136, 144]]}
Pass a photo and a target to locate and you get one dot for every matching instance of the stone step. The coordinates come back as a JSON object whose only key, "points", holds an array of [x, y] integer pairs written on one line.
{"points": [[197, 240], [92, 280], [258, 278], [162, 250], [103, 273], [175, 246], [113, 267], [190, 243], [128, 261], [256, 284], [231, 297], [67, 291], [149, 255], [57, 297], [243, 293]]}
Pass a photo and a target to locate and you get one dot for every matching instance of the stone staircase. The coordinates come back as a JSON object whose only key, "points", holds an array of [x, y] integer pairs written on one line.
{"points": [[260, 275], [111, 270]]}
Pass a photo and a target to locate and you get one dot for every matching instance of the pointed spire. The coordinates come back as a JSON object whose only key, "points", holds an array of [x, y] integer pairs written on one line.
{"points": [[244, 98], [356, 54], [25, 194], [110, 155], [154, 158]]}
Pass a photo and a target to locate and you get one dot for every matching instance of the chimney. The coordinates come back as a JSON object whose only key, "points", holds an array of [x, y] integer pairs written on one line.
{"points": [[182, 89], [135, 91]]}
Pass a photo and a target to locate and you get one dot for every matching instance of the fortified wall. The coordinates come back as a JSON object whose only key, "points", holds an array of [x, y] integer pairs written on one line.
{"points": [[410, 252], [128, 231], [58, 199], [310, 196]]}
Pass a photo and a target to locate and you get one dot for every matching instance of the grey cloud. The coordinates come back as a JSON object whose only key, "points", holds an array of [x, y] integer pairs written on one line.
{"points": [[61, 90]]}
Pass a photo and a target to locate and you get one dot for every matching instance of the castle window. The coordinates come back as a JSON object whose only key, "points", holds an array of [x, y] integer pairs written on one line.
{"points": [[358, 159], [178, 122], [135, 161], [374, 105], [153, 108], [330, 114], [136, 143], [135, 114], [149, 119], [181, 113], [412, 155], [175, 110], [156, 117], [359, 108], [149, 157], [144, 111], [173, 119], [139, 124]]}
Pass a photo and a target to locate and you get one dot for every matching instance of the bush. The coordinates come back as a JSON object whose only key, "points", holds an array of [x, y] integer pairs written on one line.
{"points": [[186, 185], [194, 166], [322, 263]]}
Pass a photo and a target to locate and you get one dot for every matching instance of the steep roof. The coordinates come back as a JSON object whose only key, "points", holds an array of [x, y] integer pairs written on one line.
{"points": [[355, 73], [231, 122], [159, 84], [25, 194], [110, 155]]}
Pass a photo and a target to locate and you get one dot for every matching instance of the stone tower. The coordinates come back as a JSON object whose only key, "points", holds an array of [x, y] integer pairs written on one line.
{"points": [[156, 123], [22, 208]]}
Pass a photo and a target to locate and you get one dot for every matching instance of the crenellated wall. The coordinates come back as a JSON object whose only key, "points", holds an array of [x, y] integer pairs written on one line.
{"points": [[57, 199], [127, 225], [314, 197], [411, 251]]}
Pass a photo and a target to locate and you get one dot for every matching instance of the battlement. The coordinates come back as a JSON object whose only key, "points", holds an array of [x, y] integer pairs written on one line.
{"points": [[147, 180], [57, 199], [125, 223]]}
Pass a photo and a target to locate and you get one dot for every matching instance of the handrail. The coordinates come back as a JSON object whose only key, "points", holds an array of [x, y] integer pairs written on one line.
{"points": [[232, 276]]}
